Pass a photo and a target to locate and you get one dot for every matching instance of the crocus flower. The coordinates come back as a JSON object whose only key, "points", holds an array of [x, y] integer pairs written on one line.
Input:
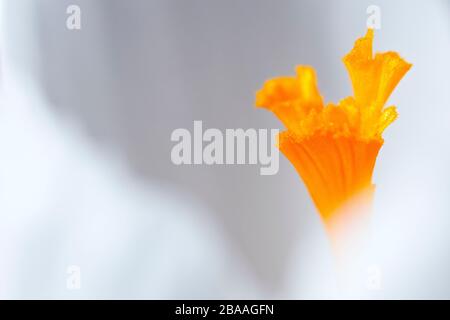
{"points": [[334, 147]]}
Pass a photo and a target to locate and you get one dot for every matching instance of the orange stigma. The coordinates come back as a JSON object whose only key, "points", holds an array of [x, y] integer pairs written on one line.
{"points": [[334, 147]]}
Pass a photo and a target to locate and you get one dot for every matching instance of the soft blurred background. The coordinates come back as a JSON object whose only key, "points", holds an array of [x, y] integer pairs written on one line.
{"points": [[86, 178]]}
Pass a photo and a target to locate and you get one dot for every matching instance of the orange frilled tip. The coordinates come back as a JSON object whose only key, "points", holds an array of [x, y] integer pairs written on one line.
{"points": [[334, 147]]}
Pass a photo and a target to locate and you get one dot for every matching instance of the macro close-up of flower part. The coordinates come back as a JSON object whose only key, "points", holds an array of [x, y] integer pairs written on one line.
{"points": [[223, 156], [334, 147]]}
